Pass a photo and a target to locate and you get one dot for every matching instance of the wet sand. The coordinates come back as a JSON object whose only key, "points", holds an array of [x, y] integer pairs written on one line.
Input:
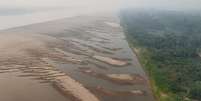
{"points": [[83, 58]]}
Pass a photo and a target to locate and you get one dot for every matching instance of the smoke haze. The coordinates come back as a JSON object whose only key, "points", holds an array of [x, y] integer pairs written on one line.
{"points": [[163, 4]]}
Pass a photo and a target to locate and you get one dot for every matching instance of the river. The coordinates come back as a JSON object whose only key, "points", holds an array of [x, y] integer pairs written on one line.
{"points": [[83, 58]]}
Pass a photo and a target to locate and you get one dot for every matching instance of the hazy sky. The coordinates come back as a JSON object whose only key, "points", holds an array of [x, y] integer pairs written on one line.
{"points": [[23, 12], [164, 4], [60, 3], [104, 4]]}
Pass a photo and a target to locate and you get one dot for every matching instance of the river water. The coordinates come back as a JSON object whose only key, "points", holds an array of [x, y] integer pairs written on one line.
{"points": [[67, 54], [90, 49], [12, 19]]}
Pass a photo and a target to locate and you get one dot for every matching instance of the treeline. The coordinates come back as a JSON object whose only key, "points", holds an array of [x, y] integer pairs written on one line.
{"points": [[173, 44]]}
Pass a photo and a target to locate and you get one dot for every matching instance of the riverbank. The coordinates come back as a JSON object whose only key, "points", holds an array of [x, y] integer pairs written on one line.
{"points": [[160, 91], [170, 54]]}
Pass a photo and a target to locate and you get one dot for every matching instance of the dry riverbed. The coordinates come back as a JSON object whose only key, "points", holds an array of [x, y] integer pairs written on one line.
{"points": [[84, 58]]}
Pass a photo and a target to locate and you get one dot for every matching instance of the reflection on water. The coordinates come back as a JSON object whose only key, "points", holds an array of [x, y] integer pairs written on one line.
{"points": [[20, 18], [10, 17], [14, 11]]}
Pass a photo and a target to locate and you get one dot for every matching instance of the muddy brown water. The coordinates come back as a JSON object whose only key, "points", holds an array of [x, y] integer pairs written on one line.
{"points": [[14, 88], [69, 45]]}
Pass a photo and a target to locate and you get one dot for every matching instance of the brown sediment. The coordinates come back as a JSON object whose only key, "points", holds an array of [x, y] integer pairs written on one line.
{"points": [[9, 71], [102, 91], [60, 57], [72, 87], [10, 68], [70, 57], [100, 37], [65, 53], [51, 74], [56, 55], [73, 60], [37, 54], [125, 78], [112, 49], [78, 52], [122, 79], [99, 41], [68, 85], [97, 65], [88, 71], [123, 59], [96, 49], [63, 82], [110, 61]]}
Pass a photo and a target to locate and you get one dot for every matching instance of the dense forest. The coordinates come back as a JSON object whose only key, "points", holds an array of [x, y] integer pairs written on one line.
{"points": [[169, 44]]}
